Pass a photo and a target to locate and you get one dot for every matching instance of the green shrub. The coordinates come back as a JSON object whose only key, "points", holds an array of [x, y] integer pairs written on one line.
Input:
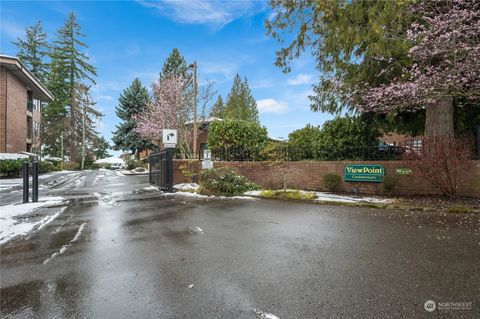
{"points": [[45, 167], [267, 193], [58, 166], [11, 167], [71, 166], [289, 194], [346, 138], [458, 210], [388, 184], [274, 151], [224, 182], [302, 142], [132, 164], [298, 195], [236, 139], [332, 182]]}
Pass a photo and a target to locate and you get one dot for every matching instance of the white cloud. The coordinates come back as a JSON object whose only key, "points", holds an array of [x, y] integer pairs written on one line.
{"points": [[12, 30], [301, 79], [271, 106], [228, 70], [105, 97], [106, 86], [217, 13], [261, 84]]}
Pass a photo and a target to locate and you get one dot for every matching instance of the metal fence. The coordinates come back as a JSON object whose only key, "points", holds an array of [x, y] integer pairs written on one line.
{"points": [[378, 152], [161, 170]]}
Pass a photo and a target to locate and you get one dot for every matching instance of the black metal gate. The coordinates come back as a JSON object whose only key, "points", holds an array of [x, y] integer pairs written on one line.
{"points": [[161, 169]]}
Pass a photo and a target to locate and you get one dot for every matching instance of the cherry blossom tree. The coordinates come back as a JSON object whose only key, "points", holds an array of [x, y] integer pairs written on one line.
{"points": [[446, 66], [169, 109]]}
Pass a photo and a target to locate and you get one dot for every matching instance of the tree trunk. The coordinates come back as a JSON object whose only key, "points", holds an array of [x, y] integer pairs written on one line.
{"points": [[439, 118]]}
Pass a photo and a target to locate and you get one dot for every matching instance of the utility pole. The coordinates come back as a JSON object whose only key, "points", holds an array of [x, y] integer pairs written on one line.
{"points": [[194, 107], [84, 100]]}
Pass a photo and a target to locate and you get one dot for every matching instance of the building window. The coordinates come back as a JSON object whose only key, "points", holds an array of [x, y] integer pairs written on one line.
{"points": [[29, 127], [36, 128]]}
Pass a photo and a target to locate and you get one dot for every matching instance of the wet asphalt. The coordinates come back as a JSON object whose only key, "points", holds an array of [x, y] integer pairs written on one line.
{"points": [[128, 252]]}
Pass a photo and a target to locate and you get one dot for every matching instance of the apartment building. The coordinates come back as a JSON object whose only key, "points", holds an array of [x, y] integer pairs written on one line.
{"points": [[21, 98]]}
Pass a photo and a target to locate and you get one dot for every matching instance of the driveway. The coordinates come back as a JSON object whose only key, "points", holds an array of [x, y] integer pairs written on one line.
{"points": [[121, 250]]}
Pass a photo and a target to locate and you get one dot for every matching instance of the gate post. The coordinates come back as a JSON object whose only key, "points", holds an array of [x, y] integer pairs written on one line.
{"points": [[169, 158], [150, 169], [34, 181], [26, 189]]}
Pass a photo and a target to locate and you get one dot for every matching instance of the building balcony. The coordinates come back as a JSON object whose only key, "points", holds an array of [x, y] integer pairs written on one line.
{"points": [[30, 105], [29, 133]]}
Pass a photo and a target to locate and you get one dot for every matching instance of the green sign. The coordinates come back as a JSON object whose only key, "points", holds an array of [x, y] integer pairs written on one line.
{"points": [[403, 171], [363, 173]]}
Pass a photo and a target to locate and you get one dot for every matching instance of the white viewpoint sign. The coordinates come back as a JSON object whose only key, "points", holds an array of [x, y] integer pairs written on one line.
{"points": [[169, 138]]}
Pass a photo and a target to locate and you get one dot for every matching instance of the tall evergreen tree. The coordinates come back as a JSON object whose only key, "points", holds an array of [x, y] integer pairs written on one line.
{"points": [[218, 108], [54, 114], [240, 103], [101, 148], [86, 119], [71, 65], [133, 101], [33, 50], [175, 65]]}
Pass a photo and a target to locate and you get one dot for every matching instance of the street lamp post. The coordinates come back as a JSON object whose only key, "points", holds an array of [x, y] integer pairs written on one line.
{"points": [[195, 126], [195, 107]]}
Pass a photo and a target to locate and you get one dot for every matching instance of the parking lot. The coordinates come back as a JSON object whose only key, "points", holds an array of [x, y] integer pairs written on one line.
{"points": [[123, 250]]}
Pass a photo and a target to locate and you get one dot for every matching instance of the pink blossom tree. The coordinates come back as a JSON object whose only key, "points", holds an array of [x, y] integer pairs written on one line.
{"points": [[169, 109], [446, 66]]}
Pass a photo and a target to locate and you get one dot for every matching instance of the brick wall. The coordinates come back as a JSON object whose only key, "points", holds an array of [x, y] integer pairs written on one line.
{"points": [[309, 176], [3, 107], [13, 102]]}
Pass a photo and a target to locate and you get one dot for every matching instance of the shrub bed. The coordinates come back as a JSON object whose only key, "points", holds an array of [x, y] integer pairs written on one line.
{"points": [[11, 167], [224, 182], [288, 194]]}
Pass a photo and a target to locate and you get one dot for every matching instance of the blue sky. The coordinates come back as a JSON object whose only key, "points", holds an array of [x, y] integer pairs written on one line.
{"points": [[129, 39]]}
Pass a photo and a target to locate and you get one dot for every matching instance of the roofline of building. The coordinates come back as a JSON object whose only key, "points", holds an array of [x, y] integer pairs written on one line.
{"points": [[12, 60]]}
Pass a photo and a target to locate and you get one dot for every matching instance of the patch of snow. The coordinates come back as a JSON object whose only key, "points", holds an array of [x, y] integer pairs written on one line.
{"points": [[65, 247], [264, 315], [110, 160], [79, 181], [17, 182], [253, 193], [194, 230], [186, 186], [12, 156], [238, 197], [196, 195], [97, 177], [49, 219], [52, 158], [322, 196], [150, 188], [106, 200], [119, 173], [79, 232], [188, 194], [13, 222]]}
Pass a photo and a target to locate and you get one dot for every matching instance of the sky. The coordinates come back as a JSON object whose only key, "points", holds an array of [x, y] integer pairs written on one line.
{"points": [[129, 39]]}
